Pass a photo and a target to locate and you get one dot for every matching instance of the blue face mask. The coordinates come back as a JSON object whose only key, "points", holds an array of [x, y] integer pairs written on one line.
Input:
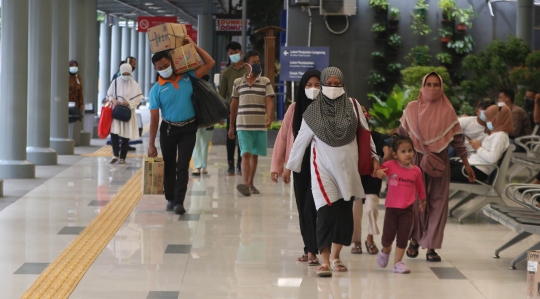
{"points": [[489, 126], [235, 58], [482, 115]]}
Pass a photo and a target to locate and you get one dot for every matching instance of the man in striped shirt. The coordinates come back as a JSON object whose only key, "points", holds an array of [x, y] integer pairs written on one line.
{"points": [[252, 109]]}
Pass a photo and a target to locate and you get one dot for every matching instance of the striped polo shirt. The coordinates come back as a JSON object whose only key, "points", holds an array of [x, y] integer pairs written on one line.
{"points": [[252, 103]]}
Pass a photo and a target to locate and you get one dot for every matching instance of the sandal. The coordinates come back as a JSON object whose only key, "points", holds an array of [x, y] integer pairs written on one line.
{"points": [[356, 250], [324, 271], [243, 189], [433, 257], [303, 258], [253, 190], [382, 260], [313, 262], [204, 171], [196, 172], [337, 265], [401, 268], [371, 248], [113, 160], [413, 247]]}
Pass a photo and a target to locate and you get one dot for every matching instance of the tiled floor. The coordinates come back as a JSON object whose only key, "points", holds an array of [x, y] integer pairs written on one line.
{"points": [[229, 246]]}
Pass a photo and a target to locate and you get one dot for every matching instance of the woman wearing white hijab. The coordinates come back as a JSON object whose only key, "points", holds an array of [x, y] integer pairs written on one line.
{"points": [[124, 90]]}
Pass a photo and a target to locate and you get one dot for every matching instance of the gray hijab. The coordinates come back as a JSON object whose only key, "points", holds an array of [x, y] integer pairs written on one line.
{"points": [[333, 121]]}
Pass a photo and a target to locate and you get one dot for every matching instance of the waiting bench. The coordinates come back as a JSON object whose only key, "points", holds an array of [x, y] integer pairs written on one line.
{"points": [[524, 220]]}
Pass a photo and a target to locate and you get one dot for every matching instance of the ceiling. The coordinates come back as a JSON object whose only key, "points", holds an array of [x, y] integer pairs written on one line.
{"points": [[185, 10]]}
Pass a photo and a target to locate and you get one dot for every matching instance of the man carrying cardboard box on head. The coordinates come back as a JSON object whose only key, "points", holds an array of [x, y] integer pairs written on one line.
{"points": [[172, 95]]}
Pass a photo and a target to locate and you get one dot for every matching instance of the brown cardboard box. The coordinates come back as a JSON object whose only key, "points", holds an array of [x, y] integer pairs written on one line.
{"points": [[153, 175], [185, 59], [533, 275], [166, 36]]}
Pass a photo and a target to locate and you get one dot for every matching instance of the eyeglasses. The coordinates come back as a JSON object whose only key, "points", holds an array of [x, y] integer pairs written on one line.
{"points": [[334, 84]]}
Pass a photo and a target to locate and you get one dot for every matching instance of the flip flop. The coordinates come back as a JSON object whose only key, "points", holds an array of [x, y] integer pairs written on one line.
{"points": [[253, 190], [324, 271], [413, 247], [243, 189], [313, 262], [371, 248], [356, 250], [433, 257], [303, 258], [336, 264], [204, 171]]}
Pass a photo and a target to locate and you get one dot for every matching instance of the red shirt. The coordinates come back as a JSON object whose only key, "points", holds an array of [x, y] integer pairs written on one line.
{"points": [[404, 185]]}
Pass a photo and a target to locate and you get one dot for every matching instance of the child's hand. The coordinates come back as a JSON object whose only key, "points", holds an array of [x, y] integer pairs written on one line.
{"points": [[286, 176], [422, 206], [381, 173]]}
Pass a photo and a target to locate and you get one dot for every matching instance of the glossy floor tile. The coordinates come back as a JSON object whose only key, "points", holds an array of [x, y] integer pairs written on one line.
{"points": [[230, 246]]}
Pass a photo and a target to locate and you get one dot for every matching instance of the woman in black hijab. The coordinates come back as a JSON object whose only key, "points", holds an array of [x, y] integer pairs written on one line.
{"points": [[308, 90]]}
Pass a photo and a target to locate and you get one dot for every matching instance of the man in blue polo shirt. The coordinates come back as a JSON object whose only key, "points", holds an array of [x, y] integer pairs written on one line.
{"points": [[172, 95]]}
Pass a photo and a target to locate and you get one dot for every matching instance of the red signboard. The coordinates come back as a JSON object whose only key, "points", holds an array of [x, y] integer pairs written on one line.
{"points": [[148, 22], [192, 33]]}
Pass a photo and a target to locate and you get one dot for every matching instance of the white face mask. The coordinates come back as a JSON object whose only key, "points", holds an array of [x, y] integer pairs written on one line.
{"points": [[166, 73], [333, 92], [126, 77], [312, 93], [500, 104], [73, 69]]}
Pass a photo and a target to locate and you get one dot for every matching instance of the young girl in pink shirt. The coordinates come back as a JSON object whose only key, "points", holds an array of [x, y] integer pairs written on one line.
{"points": [[405, 185]]}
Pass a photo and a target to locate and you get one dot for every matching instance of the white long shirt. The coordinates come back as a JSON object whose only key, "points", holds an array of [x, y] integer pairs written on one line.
{"points": [[336, 173], [493, 148], [473, 130]]}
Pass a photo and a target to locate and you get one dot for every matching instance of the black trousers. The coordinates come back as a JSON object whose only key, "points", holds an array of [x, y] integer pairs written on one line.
{"points": [[307, 212], [177, 147], [457, 176], [119, 149], [231, 146]]}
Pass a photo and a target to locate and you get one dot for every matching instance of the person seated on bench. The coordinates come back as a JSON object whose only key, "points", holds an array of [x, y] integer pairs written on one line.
{"points": [[500, 123]]}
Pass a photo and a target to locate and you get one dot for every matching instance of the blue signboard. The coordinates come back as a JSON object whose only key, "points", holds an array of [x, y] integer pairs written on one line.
{"points": [[295, 61]]}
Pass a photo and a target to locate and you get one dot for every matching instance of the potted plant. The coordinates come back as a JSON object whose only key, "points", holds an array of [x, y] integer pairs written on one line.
{"points": [[393, 70], [395, 15], [378, 57], [464, 18], [444, 59], [448, 7], [446, 35], [394, 41], [419, 56], [376, 80], [419, 22], [386, 115], [462, 47], [379, 29], [380, 6]]}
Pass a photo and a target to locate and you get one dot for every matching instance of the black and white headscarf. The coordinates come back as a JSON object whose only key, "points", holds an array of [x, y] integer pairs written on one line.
{"points": [[333, 121]]}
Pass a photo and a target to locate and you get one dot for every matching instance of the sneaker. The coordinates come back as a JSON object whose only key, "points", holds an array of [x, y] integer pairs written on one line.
{"points": [[238, 170], [170, 205], [131, 149], [401, 268], [179, 209], [382, 260], [122, 161], [113, 160]]}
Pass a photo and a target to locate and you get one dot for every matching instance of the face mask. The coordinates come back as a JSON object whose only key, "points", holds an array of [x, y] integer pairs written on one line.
{"points": [[489, 126], [126, 78], [73, 69], [312, 93], [500, 104], [235, 58], [431, 94], [333, 92], [528, 102], [482, 115], [166, 73], [256, 69], [133, 69]]}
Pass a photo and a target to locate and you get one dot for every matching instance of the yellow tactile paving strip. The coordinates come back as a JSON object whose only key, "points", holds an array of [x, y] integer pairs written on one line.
{"points": [[106, 151], [62, 276]]}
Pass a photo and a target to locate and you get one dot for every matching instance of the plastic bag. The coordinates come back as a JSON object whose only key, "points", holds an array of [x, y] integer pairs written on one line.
{"points": [[210, 107], [105, 121]]}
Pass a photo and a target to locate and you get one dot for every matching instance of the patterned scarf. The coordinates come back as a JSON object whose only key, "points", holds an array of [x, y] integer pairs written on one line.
{"points": [[333, 121]]}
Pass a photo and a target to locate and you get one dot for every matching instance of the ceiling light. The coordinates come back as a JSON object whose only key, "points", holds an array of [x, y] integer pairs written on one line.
{"points": [[148, 4], [154, 7], [161, 10], [169, 15]]}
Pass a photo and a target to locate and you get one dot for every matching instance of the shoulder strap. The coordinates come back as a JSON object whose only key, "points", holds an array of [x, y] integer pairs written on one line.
{"points": [[116, 88]]}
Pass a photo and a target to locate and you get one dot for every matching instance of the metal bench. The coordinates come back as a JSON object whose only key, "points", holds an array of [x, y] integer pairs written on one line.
{"points": [[529, 160], [524, 220], [491, 191]]}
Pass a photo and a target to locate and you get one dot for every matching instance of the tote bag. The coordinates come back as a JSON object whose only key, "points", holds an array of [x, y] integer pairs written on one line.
{"points": [[210, 107], [363, 139], [105, 121]]}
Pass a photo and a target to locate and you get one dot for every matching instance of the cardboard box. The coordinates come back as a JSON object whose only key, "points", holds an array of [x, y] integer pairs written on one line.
{"points": [[153, 175], [185, 59], [533, 275], [167, 36]]}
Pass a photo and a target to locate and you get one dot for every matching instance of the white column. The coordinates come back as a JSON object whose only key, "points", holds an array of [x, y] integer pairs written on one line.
{"points": [[104, 62], [525, 22], [148, 69], [126, 36], [91, 70], [39, 84], [13, 84], [141, 61], [60, 85], [134, 50], [116, 43]]}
